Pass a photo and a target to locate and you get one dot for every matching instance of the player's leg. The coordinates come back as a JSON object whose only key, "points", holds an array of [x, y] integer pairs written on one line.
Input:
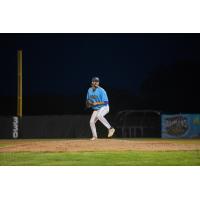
{"points": [[93, 120], [101, 113], [96, 119]]}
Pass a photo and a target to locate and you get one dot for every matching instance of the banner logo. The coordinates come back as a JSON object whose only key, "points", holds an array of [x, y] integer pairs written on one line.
{"points": [[176, 126]]}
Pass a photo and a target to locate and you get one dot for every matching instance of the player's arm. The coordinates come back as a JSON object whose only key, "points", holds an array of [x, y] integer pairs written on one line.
{"points": [[98, 103]]}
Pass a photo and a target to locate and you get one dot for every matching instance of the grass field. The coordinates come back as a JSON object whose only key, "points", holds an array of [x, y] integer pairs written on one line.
{"points": [[130, 158], [104, 152], [3, 145]]}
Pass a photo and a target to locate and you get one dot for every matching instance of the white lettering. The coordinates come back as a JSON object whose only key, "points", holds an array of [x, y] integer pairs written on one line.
{"points": [[15, 127]]}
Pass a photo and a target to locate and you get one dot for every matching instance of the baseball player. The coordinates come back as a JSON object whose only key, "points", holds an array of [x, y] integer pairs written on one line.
{"points": [[97, 99]]}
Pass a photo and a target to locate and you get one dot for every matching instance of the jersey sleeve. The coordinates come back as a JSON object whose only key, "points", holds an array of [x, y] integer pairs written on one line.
{"points": [[104, 97]]}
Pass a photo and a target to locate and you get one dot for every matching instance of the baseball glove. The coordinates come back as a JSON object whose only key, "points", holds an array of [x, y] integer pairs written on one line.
{"points": [[89, 104]]}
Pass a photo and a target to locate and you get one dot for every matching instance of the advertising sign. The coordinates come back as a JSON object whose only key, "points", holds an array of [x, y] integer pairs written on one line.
{"points": [[181, 126]]}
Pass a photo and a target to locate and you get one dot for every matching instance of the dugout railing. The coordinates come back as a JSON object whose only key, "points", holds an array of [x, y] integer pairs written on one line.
{"points": [[138, 123]]}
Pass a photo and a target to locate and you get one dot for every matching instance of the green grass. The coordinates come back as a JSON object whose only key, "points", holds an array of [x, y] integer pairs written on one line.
{"points": [[4, 145], [129, 158]]}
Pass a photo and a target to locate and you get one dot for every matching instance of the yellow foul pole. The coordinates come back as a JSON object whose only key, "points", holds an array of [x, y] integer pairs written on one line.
{"points": [[19, 78]]}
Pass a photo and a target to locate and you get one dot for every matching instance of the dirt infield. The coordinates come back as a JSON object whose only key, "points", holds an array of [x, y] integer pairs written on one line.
{"points": [[77, 145]]}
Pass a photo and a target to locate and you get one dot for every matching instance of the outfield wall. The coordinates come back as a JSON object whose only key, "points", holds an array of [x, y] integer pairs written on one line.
{"points": [[66, 126], [6, 127], [75, 126], [52, 126]]}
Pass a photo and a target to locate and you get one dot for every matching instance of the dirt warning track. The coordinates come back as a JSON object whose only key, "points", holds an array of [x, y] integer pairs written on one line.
{"points": [[77, 145]]}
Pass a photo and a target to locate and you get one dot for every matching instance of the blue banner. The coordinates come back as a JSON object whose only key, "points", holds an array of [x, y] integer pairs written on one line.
{"points": [[181, 126]]}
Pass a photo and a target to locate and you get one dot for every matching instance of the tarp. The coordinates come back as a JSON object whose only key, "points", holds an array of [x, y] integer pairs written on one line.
{"points": [[180, 126]]}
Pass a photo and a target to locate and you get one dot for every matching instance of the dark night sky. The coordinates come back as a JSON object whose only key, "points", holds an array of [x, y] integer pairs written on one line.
{"points": [[63, 64]]}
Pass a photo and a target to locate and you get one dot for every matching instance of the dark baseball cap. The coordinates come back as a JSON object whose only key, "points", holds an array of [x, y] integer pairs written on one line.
{"points": [[95, 79]]}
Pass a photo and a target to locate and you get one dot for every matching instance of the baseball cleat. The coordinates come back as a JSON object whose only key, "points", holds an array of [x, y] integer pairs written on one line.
{"points": [[93, 138], [111, 132]]}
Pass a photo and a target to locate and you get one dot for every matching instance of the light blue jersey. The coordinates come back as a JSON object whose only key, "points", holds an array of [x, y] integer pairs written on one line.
{"points": [[97, 95]]}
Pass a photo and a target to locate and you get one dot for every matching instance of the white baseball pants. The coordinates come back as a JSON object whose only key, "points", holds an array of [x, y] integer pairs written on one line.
{"points": [[99, 115]]}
